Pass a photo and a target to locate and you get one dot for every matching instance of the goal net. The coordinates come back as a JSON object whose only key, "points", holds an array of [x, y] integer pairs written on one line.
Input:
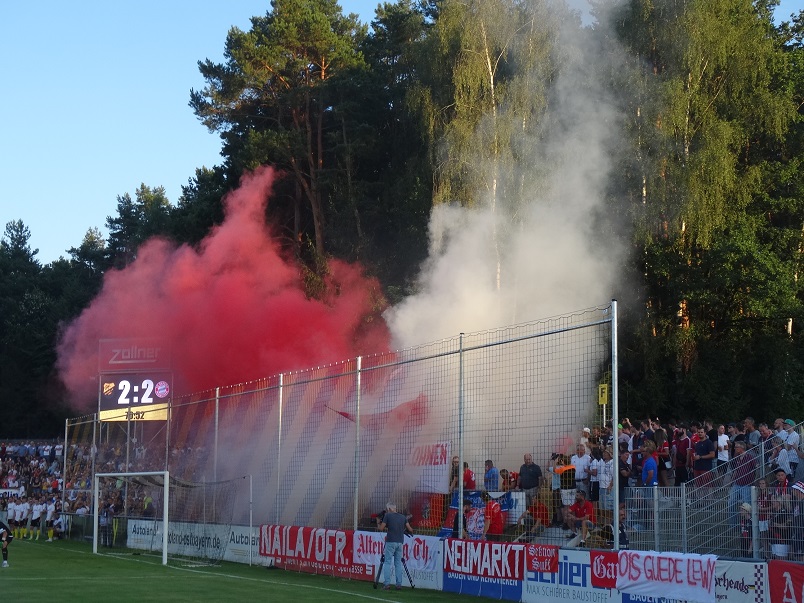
{"points": [[186, 522]]}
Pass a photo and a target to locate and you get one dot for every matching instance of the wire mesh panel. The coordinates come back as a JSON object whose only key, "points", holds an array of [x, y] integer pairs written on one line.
{"points": [[330, 446]]}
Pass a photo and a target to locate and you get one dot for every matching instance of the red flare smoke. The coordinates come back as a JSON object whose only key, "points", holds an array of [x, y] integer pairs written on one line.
{"points": [[232, 310]]}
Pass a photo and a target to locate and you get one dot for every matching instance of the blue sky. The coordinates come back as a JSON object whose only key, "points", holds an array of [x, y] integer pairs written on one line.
{"points": [[94, 103]]}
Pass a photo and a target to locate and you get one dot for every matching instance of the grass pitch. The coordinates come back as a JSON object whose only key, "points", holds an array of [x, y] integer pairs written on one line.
{"points": [[68, 571]]}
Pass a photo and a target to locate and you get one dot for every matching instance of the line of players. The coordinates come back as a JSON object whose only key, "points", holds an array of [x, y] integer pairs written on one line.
{"points": [[27, 519]]}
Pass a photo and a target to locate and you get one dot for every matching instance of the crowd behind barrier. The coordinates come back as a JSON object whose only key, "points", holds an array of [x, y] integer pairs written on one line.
{"points": [[732, 490]]}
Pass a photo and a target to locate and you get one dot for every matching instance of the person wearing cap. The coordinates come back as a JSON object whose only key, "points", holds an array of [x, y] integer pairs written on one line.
{"points": [[586, 433]]}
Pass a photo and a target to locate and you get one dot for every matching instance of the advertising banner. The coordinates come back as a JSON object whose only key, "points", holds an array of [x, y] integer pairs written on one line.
{"points": [[576, 578], [314, 550], [741, 582], [786, 582], [686, 576], [484, 569], [422, 554]]}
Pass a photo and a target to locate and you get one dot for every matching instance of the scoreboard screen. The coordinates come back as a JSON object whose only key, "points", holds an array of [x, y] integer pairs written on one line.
{"points": [[135, 396]]}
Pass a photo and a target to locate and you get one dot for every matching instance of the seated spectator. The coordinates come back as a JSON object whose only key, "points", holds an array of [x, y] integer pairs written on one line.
{"points": [[534, 520], [580, 516]]}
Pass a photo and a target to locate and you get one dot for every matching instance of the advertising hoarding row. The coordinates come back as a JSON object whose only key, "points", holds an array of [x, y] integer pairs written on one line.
{"points": [[530, 573]]}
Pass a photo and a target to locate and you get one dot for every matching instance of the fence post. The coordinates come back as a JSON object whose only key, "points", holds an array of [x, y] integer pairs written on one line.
{"points": [[656, 518], [684, 509], [754, 523], [358, 378], [279, 450], [461, 527]]}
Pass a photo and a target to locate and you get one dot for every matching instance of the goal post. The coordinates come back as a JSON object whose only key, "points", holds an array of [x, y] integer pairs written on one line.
{"points": [[157, 478], [153, 512]]}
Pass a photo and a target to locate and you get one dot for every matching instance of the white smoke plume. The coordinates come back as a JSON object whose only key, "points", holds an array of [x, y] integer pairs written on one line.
{"points": [[554, 258]]}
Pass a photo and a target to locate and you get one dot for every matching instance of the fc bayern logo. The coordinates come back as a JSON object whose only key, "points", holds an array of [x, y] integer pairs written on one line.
{"points": [[162, 389]]}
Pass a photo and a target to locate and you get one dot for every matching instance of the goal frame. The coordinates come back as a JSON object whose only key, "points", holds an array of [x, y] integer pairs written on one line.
{"points": [[165, 500]]}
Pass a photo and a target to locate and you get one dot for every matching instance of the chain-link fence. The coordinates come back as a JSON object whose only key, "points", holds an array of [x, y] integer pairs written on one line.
{"points": [[329, 446]]}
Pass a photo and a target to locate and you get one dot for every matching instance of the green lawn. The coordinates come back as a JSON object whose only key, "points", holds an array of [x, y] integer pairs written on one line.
{"points": [[68, 571]]}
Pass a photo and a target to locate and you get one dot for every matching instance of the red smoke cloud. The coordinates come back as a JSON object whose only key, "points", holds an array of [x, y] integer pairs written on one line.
{"points": [[232, 310]]}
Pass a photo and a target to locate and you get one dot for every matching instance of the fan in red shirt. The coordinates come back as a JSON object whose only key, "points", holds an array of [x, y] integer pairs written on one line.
{"points": [[580, 514], [468, 478], [534, 519], [493, 520]]}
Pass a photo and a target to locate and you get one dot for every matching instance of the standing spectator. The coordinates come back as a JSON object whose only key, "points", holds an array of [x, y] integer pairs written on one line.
{"points": [[530, 478], [586, 434], [468, 478], [581, 461], [624, 472], [397, 525], [664, 459], [791, 444], [723, 448], [493, 519], [702, 456], [752, 435], [454, 471], [681, 447], [594, 478], [650, 468], [606, 476], [505, 480], [555, 488], [491, 479], [623, 434], [743, 471], [637, 442]]}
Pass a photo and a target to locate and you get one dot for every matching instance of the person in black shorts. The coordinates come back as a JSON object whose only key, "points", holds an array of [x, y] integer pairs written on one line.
{"points": [[5, 537]]}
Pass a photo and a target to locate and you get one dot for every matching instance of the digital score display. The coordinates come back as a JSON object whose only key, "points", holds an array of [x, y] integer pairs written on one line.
{"points": [[135, 396]]}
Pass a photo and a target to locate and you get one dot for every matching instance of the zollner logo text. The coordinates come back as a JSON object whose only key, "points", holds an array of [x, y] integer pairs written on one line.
{"points": [[134, 355]]}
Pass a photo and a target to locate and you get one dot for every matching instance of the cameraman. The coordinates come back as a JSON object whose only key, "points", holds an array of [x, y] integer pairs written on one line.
{"points": [[397, 525]]}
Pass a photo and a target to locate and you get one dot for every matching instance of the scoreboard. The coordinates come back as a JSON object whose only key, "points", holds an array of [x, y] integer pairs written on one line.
{"points": [[141, 396]]}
